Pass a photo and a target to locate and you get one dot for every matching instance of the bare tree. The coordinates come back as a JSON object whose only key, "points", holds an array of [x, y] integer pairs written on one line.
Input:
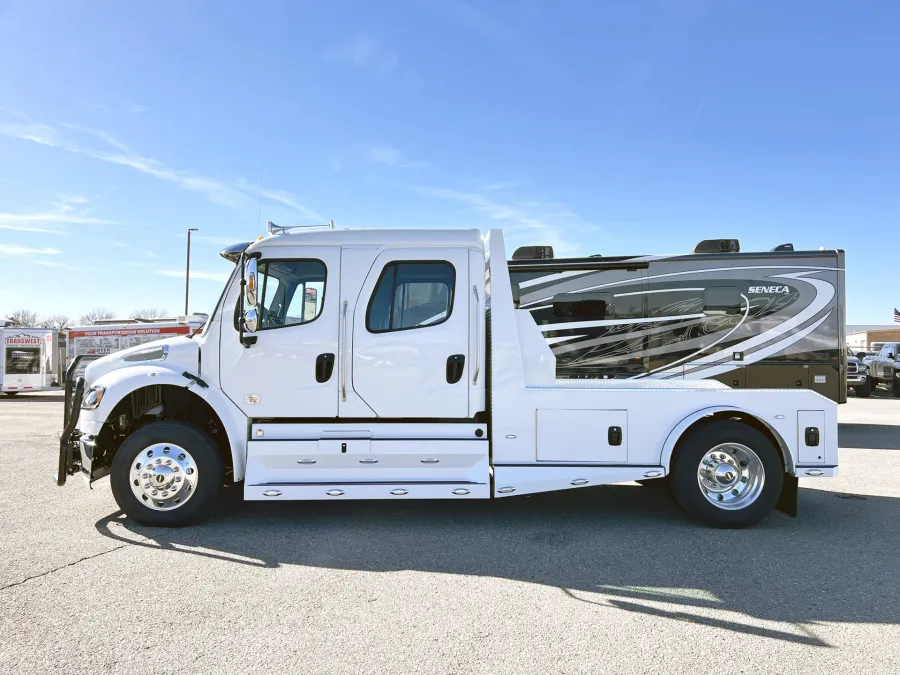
{"points": [[149, 313], [58, 321], [97, 314], [23, 317]]}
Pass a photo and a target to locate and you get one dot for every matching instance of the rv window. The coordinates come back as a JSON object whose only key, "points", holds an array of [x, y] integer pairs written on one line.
{"points": [[721, 300], [674, 302], [291, 292], [411, 295], [583, 306]]}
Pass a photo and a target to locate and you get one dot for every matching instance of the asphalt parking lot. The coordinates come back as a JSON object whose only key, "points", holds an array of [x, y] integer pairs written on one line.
{"points": [[606, 579]]}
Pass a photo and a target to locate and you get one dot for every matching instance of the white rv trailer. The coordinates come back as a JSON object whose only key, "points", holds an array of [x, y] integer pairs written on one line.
{"points": [[413, 375], [27, 360]]}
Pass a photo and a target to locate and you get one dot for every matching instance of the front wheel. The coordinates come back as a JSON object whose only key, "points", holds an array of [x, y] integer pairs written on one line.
{"points": [[864, 390], [895, 384], [167, 474], [727, 474]]}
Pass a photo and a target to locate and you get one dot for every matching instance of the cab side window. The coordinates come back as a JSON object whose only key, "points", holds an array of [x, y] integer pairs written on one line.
{"points": [[411, 295], [292, 292]]}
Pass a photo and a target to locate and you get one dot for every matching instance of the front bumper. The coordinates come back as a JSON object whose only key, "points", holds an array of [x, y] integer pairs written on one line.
{"points": [[856, 379]]}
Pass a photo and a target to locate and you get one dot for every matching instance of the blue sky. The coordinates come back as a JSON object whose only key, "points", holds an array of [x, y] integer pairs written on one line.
{"points": [[598, 127]]}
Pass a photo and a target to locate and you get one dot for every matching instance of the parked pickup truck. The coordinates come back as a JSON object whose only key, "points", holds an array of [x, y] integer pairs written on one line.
{"points": [[858, 376], [412, 375], [884, 368]]}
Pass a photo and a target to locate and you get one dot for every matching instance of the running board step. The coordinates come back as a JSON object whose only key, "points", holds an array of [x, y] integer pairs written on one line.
{"points": [[325, 491]]}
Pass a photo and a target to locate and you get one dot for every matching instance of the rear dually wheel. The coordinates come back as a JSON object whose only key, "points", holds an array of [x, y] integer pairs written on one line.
{"points": [[727, 474]]}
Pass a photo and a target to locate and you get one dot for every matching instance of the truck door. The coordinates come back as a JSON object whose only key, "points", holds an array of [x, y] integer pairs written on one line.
{"points": [[290, 370], [410, 334]]}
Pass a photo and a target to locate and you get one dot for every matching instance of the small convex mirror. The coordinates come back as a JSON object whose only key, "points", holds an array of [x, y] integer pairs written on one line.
{"points": [[251, 320]]}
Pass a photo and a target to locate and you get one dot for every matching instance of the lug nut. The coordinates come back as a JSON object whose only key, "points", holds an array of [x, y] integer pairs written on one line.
{"points": [[168, 462], [158, 460], [155, 492], [744, 463], [744, 479]]}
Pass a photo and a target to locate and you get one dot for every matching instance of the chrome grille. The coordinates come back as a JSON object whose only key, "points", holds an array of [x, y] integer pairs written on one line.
{"points": [[852, 368]]}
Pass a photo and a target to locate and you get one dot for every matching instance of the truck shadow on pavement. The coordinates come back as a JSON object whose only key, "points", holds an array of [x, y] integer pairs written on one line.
{"points": [[869, 436], [622, 546]]}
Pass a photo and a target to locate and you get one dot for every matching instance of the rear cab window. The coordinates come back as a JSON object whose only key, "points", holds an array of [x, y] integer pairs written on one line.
{"points": [[411, 294]]}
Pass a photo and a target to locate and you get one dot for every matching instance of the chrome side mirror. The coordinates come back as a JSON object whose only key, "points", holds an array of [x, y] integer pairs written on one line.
{"points": [[251, 320], [250, 289]]}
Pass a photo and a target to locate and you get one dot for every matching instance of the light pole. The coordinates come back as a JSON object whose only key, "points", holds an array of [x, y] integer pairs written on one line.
{"points": [[187, 270]]}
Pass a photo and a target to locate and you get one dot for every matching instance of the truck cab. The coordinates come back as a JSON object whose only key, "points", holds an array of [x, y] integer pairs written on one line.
{"points": [[395, 364]]}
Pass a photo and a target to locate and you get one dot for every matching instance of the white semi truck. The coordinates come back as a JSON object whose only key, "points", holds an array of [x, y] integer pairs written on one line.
{"points": [[410, 373], [28, 358]]}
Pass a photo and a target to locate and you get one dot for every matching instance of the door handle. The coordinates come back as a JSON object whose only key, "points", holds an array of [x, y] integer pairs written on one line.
{"points": [[455, 366], [324, 367], [477, 335]]}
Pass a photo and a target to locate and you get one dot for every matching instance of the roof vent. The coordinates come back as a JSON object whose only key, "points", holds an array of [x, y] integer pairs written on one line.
{"points": [[783, 247], [718, 246], [533, 253]]}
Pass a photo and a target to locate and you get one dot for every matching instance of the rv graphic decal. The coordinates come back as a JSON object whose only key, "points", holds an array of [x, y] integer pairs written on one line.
{"points": [[683, 323]]}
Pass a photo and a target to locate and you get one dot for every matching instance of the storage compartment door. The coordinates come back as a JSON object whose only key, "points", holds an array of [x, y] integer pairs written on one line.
{"points": [[596, 436], [811, 432]]}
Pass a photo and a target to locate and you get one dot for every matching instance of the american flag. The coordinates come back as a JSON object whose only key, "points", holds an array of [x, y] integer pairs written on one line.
{"points": [[896, 315]]}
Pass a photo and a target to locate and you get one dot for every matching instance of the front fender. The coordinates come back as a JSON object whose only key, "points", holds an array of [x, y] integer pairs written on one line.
{"points": [[120, 383], [679, 429]]}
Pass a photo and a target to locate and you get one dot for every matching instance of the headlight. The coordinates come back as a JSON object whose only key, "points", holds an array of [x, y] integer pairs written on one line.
{"points": [[92, 399], [150, 354]]}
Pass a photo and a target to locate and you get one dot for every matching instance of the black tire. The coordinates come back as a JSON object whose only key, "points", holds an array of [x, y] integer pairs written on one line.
{"points": [[691, 452], [205, 454], [864, 390], [895, 384], [655, 483]]}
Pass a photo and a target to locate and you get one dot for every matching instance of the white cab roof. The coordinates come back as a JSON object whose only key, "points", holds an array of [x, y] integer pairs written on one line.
{"points": [[380, 238]]}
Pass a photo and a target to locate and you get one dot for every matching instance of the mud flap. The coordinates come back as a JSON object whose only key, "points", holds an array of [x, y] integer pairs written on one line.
{"points": [[789, 500]]}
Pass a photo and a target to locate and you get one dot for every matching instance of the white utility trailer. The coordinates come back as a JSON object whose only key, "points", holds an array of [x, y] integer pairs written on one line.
{"points": [[27, 360], [410, 374]]}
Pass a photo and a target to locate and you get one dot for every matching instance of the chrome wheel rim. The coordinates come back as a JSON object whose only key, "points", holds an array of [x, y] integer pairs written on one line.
{"points": [[731, 476], [164, 476]]}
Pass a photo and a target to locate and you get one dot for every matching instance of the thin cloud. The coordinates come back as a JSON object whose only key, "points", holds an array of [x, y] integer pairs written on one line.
{"points": [[525, 223], [207, 276], [213, 239], [56, 264], [16, 249], [364, 52], [390, 156], [237, 197], [289, 199], [132, 247], [28, 228], [503, 185], [65, 212], [104, 136]]}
